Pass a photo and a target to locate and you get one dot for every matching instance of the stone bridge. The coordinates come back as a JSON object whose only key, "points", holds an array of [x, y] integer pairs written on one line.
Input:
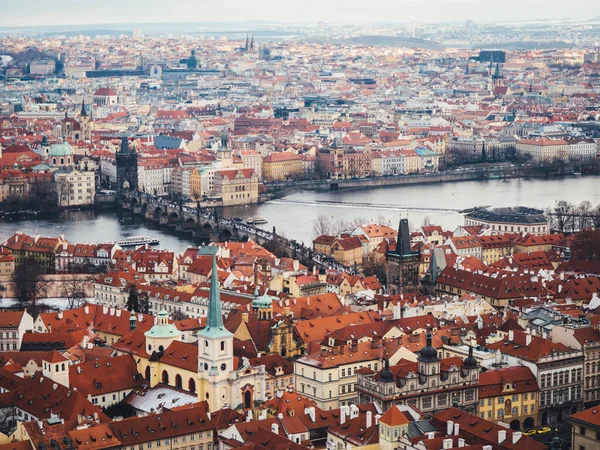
{"points": [[203, 224]]}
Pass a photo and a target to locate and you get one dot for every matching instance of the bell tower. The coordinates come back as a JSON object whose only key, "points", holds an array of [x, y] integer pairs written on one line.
{"points": [[215, 347]]}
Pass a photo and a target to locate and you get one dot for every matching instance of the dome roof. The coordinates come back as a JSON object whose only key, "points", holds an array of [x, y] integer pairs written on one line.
{"points": [[162, 328], [386, 375], [470, 362], [61, 149], [428, 353], [264, 301]]}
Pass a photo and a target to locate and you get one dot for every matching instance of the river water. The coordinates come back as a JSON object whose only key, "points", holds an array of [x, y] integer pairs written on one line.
{"points": [[295, 215]]}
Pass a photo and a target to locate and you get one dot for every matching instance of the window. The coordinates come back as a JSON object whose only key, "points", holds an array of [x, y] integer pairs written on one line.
{"points": [[582, 431]]}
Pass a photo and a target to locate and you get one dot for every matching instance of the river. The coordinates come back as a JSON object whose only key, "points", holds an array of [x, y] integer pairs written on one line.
{"points": [[295, 215]]}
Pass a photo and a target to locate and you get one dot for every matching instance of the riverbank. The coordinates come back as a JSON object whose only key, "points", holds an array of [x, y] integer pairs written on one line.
{"points": [[54, 284], [481, 172], [296, 216]]}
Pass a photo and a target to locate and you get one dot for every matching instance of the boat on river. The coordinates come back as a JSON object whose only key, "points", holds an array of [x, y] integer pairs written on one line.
{"points": [[134, 241], [255, 221]]}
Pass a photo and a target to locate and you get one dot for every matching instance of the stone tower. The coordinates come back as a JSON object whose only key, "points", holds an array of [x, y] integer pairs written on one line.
{"points": [[127, 169], [403, 263]]}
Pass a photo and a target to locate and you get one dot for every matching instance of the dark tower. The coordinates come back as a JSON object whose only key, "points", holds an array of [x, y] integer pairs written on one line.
{"points": [[403, 263], [127, 169], [252, 43]]}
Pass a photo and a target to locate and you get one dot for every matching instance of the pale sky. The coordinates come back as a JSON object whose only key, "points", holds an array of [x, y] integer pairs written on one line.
{"points": [[79, 12]]}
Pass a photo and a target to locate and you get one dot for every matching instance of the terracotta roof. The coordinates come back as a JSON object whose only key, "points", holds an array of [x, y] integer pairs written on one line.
{"points": [[101, 377], [492, 383]]}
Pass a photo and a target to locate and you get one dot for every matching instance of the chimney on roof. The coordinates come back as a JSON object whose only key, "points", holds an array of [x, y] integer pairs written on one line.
{"points": [[511, 335], [377, 417], [60, 314], [104, 309], [54, 386], [311, 413], [118, 312], [275, 428], [501, 436], [245, 317], [369, 419], [461, 442], [86, 309], [353, 411], [456, 428], [449, 427], [516, 436], [528, 339], [344, 411], [249, 416], [447, 443]]}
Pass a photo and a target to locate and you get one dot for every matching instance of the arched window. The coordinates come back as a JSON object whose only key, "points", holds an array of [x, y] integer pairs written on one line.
{"points": [[62, 161], [222, 346], [62, 367], [192, 386], [178, 382], [165, 377]]}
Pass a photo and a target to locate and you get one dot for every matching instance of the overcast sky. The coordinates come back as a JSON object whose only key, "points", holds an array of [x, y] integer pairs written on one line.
{"points": [[78, 12]]}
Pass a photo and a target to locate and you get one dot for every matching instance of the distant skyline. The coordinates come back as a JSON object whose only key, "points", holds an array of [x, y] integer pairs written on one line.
{"points": [[92, 12]]}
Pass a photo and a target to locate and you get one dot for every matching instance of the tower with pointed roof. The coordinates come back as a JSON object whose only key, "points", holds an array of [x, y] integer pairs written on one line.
{"points": [[403, 263], [222, 382], [84, 120]]}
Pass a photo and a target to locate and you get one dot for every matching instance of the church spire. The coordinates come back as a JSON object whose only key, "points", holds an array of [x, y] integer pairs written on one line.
{"points": [[83, 113], [214, 321]]}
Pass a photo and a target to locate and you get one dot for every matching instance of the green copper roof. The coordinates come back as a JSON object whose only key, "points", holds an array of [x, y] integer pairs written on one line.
{"points": [[263, 301], [162, 328], [214, 321], [61, 149]]}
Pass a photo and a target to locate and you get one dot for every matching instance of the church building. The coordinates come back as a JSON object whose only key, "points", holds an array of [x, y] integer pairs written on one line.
{"points": [[208, 368]]}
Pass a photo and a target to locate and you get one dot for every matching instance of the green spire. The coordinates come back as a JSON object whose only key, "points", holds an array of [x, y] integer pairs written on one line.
{"points": [[497, 72], [214, 321]]}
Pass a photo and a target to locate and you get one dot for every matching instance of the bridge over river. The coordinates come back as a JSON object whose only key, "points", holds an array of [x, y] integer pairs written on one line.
{"points": [[205, 225]]}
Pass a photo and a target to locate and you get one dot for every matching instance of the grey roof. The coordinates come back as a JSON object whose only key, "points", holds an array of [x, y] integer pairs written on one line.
{"points": [[419, 428], [167, 142], [513, 214]]}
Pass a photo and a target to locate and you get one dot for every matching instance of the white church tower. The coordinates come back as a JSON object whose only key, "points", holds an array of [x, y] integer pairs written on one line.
{"points": [[222, 384]]}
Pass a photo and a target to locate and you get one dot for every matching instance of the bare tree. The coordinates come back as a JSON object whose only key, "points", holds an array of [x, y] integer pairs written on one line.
{"points": [[179, 315], [596, 218], [562, 216], [74, 292], [583, 219], [322, 226], [30, 285]]}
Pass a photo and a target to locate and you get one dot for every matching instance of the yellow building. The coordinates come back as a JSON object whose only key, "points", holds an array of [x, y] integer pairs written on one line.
{"points": [[495, 247], [282, 166], [348, 250], [412, 161], [323, 244], [195, 184], [543, 149], [183, 429], [393, 425], [236, 187], [509, 395]]}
